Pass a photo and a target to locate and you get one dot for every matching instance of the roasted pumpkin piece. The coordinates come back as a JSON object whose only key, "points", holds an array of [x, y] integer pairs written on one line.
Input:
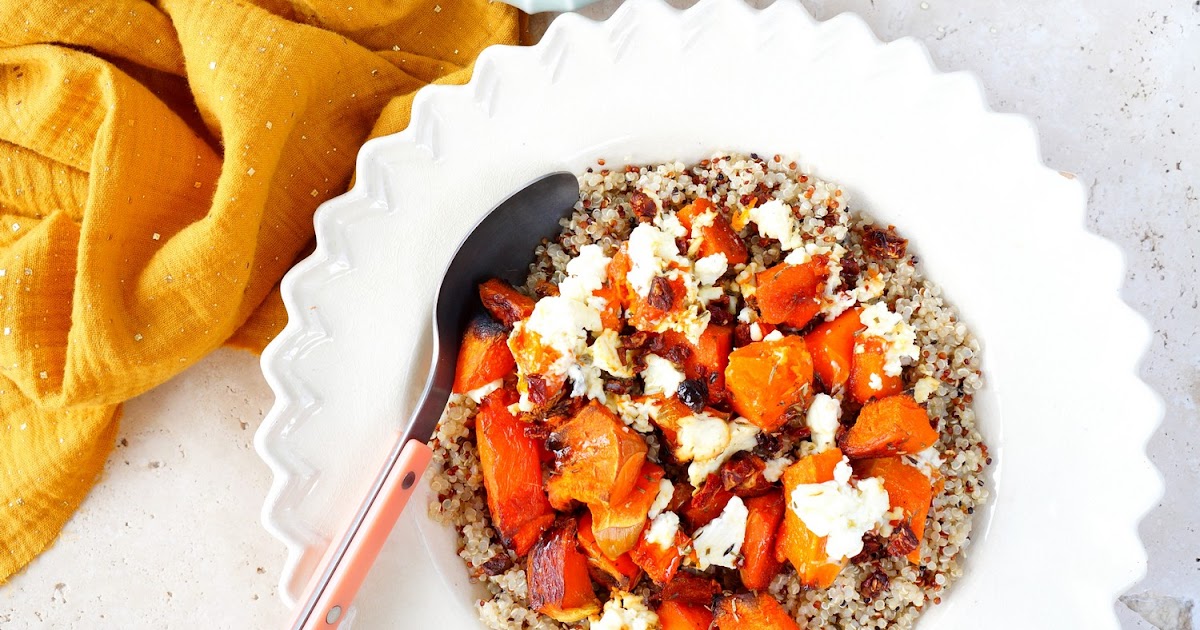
{"points": [[670, 412], [717, 237], [907, 487], [557, 575], [691, 588], [505, 302], [676, 615], [760, 564], [613, 293], [618, 526], [867, 378], [767, 379], [666, 296], [794, 541], [559, 493], [620, 572], [706, 359], [787, 294], [512, 473], [831, 345], [483, 356], [707, 503], [599, 458], [660, 563], [743, 476], [750, 611], [895, 425]]}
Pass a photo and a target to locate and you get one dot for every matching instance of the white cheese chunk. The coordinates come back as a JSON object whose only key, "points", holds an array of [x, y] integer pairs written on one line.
{"points": [[663, 529], [651, 253], [635, 413], [720, 541], [841, 510], [625, 611], [774, 219], [822, 421], [925, 388], [605, 351], [710, 268], [927, 461], [743, 436], [900, 337], [666, 490], [701, 437], [775, 467], [661, 376], [774, 335]]}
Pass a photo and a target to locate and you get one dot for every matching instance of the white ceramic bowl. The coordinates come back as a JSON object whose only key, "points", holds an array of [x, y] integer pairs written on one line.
{"points": [[1063, 411]]}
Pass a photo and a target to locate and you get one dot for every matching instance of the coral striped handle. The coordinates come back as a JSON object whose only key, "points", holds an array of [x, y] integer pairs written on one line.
{"points": [[367, 533]]}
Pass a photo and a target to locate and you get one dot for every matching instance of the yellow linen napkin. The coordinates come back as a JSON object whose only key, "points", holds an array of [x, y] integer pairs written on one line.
{"points": [[159, 167]]}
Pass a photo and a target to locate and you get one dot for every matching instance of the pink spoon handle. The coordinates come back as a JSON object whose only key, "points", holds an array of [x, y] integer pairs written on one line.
{"points": [[350, 569]]}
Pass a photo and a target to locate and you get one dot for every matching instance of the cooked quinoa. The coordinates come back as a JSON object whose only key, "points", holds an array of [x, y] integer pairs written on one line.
{"points": [[944, 377]]}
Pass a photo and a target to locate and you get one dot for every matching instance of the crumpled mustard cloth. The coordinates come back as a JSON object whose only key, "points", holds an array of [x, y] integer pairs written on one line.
{"points": [[159, 167]]}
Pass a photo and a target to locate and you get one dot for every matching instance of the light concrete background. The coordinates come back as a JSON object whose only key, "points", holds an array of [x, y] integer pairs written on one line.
{"points": [[170, 536]]}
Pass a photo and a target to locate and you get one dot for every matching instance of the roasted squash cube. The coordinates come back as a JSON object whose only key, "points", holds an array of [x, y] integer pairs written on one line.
{"points": [[760, 564], [512, 473], [557, 575], [504, 302], [618, 526], [676, 615], [908, 488], [795, 542], [717, 237], [599, 458], [831, 345], [767, 379], [787, 294], [895, 425], [483, 356], [750, 611], [868, 379], [620, 572]]}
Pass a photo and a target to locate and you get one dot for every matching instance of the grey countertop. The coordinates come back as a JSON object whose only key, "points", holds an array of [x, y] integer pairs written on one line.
{"points": [[170, 536]]}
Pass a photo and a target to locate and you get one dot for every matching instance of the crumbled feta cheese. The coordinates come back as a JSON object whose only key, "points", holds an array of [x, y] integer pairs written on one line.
{"points": [[743, 436], [701, 437], [822, 421], [874, 382], [562, 324], [708, 294], [900, 337], [774, 335], [927, 461], [710, 268], [925, 388], [841, 510], [586, 274], [651, 253], [606, 355], [666, 490], [661, 376], [586, 381], [635, 413], [756, 332], [479, 393], [775, 467], [625, 611], [720, 541], [663, 529], [746, 315], [775, 220]]}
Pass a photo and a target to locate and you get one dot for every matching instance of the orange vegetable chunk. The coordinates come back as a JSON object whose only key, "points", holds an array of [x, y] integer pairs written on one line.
{"points": [[831, 345], [660, 563], [895, 425], [767, 378], [512, 473], [706, 357], [761, 565], [483, 356], [794, 541], [907, 488], [557, 576], [620, 572], [676, 615], [869, 363], [618, 526], [716, 238], [787, 294], [504, 302], [599, 458], [749, 611]]}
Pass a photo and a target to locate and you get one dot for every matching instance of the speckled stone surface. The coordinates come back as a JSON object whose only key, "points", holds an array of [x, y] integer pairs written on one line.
{"points": [[170, 537]]}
